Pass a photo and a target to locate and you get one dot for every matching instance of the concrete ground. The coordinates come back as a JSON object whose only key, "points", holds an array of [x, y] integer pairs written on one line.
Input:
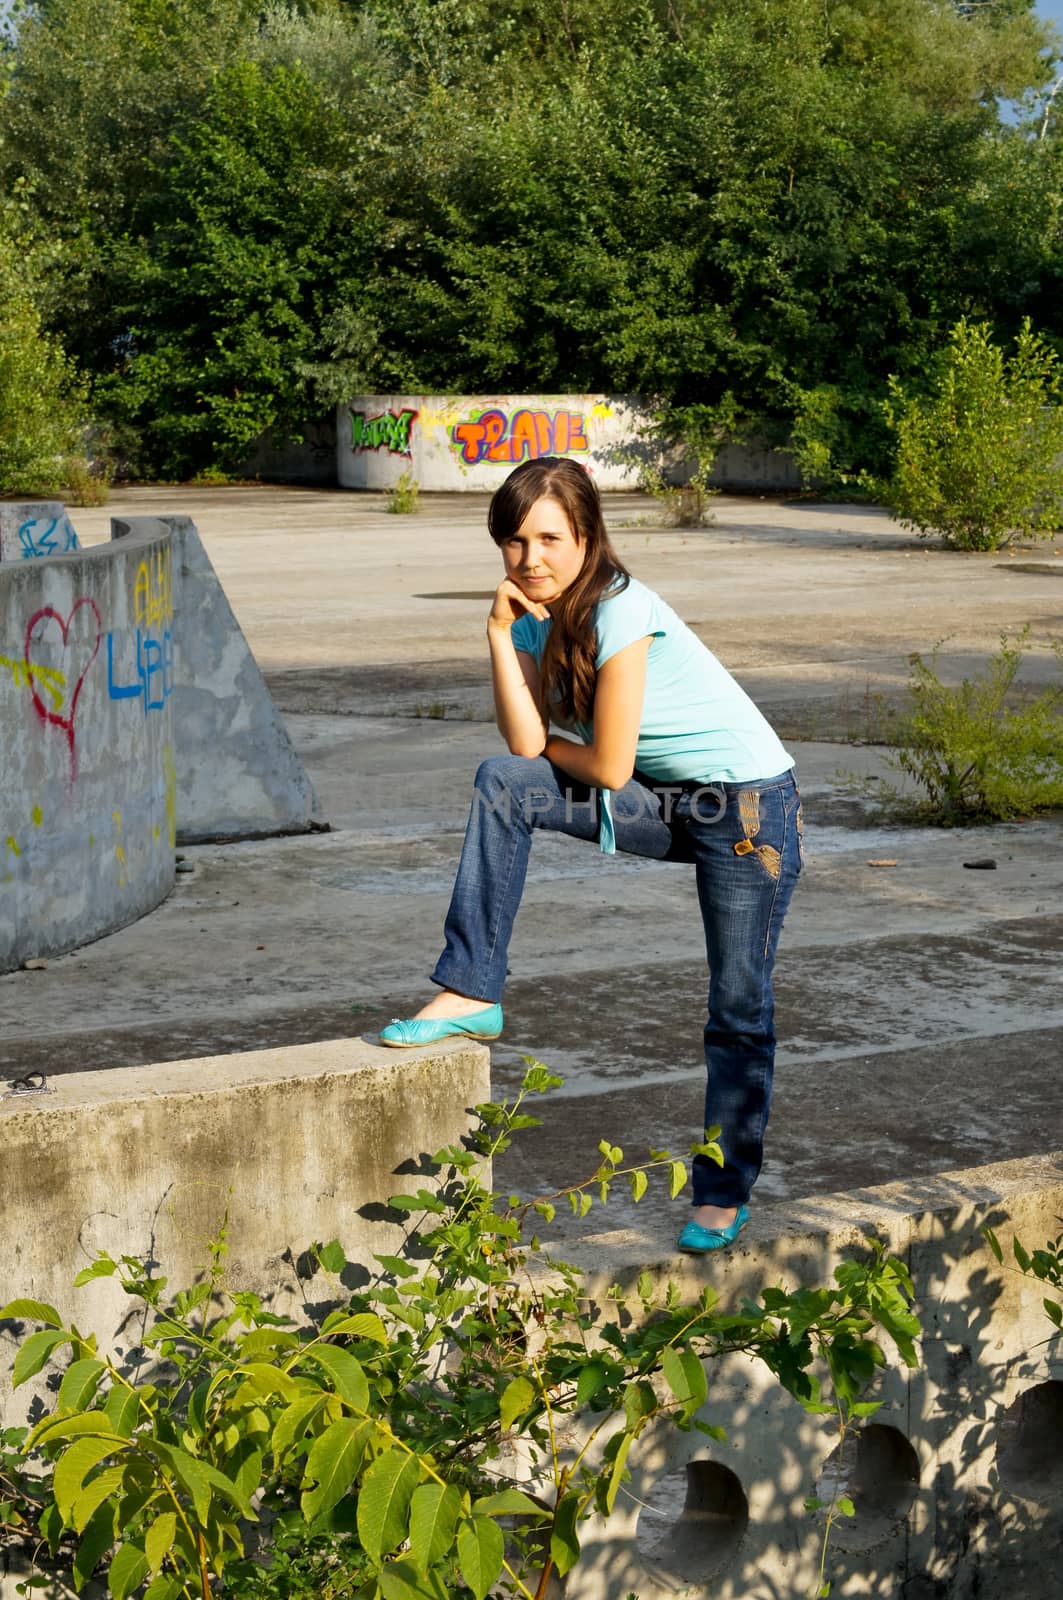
{"points": [[919, 1005]]}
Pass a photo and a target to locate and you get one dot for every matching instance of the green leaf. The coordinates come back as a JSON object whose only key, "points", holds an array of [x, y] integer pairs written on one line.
{"points": [[639, 1401], [685, 1376], [545, 1209], [396, 1266], [350, 1382], [845, 1506], [80, 1382], [362, 1325], [331, 1256], [993, 1242], [434, 1512], [158, 1541], [677, 1177], [262, 1377], [509, 1503], [564, 1544], [384, 1502], [128, 1569], [517, 1397], [400, 1580], [639, 1184], [332, 1464], [102, 1267], [1054, 1310], [122, 1409], [31, 1311], [165, 1587], [619, 1471], [68, 1427], [294, 1422], [481, 1551], [590, 1380], [95, 1541], [34, 1353], [106, 1485], [73, 1467]]}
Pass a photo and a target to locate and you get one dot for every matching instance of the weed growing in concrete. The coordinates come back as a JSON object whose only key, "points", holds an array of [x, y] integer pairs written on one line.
{"points": [[403, 495], [444, 1431], [976, 753]]}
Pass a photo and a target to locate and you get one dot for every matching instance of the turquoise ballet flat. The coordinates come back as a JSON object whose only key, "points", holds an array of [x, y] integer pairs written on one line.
{"points": [[697, 1241], [399, 1035]]}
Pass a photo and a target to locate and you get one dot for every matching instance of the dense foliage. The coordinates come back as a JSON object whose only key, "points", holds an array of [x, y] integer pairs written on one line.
{"points": [[764, 207]]}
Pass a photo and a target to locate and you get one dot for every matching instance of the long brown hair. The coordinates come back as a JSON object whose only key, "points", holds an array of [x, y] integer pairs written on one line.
{"points": [[567, 670]]}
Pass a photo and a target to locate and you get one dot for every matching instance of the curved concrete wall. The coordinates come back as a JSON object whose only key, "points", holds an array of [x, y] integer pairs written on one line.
{"points": [[473, 441], [87, 779]]}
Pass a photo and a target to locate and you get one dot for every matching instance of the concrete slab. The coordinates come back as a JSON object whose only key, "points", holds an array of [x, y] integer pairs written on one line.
{"points": [[909, 997]]}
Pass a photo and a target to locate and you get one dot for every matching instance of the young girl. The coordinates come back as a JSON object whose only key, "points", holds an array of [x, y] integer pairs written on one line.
{"points": [[670, 759]]}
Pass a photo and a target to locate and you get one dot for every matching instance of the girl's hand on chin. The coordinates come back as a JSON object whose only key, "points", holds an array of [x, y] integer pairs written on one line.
{"points": [[510, 603]]}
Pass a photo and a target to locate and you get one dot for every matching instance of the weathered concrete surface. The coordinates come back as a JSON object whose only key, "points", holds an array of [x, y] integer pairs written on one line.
{"points": [[907, 995], [87, 767], [33, 528], [286, 1146], [238, 773]]}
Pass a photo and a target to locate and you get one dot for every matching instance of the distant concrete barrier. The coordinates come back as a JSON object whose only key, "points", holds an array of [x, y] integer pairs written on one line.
{"points": [[87, 774], [34, 528], [238, 773], [449, 443], [287, 1146]]}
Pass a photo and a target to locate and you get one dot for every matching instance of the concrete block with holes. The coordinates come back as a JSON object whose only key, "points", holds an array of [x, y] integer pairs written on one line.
{"points": [[957, 1481]]}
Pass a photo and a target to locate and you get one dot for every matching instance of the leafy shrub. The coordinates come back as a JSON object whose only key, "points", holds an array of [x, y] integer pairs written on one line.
{"points": [[383, 1438], [980, 459], [976, 754]]}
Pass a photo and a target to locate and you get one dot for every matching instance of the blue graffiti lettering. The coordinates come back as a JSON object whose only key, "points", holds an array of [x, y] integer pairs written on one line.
{"points": [[57, 539], [154, 671]]}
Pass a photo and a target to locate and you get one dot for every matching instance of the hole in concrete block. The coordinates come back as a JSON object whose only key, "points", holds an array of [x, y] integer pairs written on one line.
{"points": [[692, 1524], [1030, 1443], [879, 1471]]}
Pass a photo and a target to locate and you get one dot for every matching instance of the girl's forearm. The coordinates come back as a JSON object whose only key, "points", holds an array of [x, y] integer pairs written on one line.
{"points": [[519, 720], [580, 761]]}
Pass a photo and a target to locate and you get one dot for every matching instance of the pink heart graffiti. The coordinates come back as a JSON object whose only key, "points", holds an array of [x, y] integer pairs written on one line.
{"points": [[63, 719]]}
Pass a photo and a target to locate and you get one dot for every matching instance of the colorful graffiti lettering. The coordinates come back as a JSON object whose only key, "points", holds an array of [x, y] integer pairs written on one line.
{"points": [[388, 430], [152, 613], [493, 436], [154, 670], [40, 635], [153, 589], [56, 539], [48, 679]]}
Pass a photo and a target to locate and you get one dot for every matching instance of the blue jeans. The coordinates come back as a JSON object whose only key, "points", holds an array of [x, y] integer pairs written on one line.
{"points": [[744, 843]]}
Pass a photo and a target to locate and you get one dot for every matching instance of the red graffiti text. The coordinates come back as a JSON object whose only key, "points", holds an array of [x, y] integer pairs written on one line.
{"points": [[494, 436]]}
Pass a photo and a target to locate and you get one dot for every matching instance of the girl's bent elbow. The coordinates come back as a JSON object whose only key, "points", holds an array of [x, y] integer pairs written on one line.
{"points": [[518, 747]]}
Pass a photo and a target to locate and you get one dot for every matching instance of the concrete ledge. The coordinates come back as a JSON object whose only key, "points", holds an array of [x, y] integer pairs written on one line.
{"points": [[294, 1145]]}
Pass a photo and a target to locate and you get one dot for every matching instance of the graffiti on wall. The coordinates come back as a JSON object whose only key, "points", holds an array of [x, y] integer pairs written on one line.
{"points": [[149, 678], [49, 680], [59, 652], [495, 435], [47, 536], [388, 430]]}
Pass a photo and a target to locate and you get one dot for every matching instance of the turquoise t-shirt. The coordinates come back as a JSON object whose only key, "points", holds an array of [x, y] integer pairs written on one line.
{"points": [[698, 725]]}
